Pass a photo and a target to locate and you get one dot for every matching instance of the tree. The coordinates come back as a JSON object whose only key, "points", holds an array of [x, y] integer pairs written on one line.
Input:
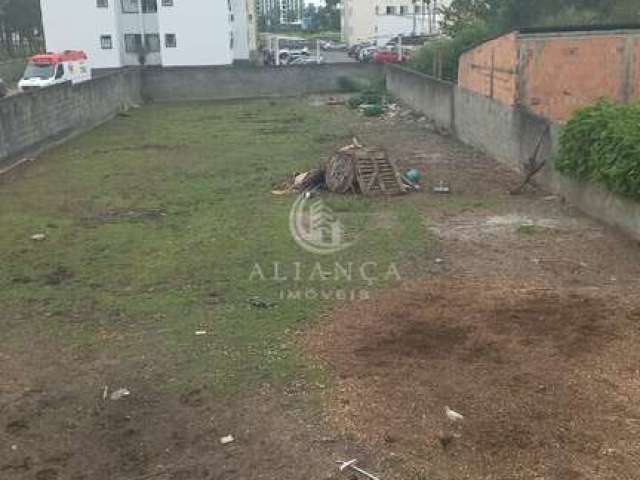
{"points": [[20, 26], [505, 15]]}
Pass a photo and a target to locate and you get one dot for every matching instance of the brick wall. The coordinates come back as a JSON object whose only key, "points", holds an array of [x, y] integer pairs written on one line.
{"points": [[491, 69], [554, 74], [33, 120], [565, 72]]}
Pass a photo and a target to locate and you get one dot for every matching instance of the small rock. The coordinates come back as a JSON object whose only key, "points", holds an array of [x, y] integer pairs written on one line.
{"points": [[120, 394], [14, 447], [227, 440], [439, 260], [200, 333], [38, 237]]}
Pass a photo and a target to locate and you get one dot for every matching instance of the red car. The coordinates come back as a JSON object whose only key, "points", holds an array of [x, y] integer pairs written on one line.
{"points": [[386, 57]]}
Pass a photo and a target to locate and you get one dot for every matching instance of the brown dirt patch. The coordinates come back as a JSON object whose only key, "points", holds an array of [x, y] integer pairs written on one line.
{"points": [[56, 425], [518, 360]]}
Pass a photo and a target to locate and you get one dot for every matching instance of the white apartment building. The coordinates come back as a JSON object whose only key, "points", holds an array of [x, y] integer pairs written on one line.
{"points": [[381, 20], [117, 33], [245, 29], [287, 12]]}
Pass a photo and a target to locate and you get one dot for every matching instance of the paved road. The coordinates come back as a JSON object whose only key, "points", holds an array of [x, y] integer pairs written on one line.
{"points": [[337, 57]]}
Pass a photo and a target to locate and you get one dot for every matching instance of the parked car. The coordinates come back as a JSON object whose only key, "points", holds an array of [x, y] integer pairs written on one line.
{"points": [[55, 68], [366, 54], [332, 46], [4, 90], [384, 57], [289, 55], [307, 60], [409, 41], [354, 51]]}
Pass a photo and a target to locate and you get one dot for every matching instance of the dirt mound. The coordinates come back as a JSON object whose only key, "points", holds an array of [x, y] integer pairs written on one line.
{"points": [[522, 363]]}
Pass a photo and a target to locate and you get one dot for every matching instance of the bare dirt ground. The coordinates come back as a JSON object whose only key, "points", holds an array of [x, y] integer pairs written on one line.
{"points": [[528, 325], [57, 425]]}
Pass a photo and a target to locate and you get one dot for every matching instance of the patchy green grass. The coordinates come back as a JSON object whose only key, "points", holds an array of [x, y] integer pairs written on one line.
{"points": [[529, 229], [162, 223]]}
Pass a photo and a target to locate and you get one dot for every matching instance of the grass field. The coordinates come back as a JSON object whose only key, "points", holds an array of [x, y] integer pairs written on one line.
{"points": [[154, 225]]}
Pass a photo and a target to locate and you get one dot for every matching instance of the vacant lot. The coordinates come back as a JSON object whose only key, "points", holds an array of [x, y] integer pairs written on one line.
{"points": [[518, 312]]}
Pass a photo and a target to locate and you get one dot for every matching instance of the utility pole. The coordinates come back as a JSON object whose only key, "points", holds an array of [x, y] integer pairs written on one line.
{"points": [[415, 20], [435, 16]]}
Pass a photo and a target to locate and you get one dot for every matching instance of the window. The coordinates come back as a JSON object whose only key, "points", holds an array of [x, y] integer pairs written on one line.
{"points": [[377, 10], [106, 43], [404, 10], [416, 9], [131, 6], [152, 42], [149, 6], [132, 42], [60, 71], [102, 3], [167, 3], [391, 10], [170, 40]]}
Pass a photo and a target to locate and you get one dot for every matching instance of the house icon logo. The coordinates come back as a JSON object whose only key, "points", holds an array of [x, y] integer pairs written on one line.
{"points": [[314, 227]]}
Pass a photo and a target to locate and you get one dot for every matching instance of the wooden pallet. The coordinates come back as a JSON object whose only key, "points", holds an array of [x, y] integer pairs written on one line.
{"points": [[375, 173]]}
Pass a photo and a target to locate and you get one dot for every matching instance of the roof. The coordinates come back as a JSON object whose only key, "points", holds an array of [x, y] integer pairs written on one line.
{"points": [[54, 58]]}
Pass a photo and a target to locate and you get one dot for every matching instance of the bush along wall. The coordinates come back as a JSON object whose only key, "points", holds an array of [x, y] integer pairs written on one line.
{"points": [[601, 144]]}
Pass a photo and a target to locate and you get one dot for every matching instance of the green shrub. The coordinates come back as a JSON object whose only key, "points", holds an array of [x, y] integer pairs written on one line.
{"points": [[601, 144], [449, 51]]}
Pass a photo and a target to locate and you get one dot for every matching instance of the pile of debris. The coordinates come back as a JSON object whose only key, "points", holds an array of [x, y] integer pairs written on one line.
{"points": [[355, 169], [371, 103]]}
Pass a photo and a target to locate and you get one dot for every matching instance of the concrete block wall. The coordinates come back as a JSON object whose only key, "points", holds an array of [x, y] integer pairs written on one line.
{"points": [[31, 121], [510, 134], [227, 83], [424, 93]]}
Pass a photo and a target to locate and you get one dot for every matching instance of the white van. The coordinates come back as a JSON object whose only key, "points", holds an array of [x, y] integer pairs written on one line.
{"points": [[54, 68]]}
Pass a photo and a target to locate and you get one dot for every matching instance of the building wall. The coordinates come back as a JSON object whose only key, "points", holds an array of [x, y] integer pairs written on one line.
{"points": [[203, 32], [135, 23], [240, 29], [564, 72], [390, 26], [359, 21], [78, 25], [491, 69], [367, 20], [202, 28]]}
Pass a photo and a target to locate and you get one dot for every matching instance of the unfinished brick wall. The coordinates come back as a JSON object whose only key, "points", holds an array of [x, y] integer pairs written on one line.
{"points": [[491, 69], [554, 74], [562, 74]]}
